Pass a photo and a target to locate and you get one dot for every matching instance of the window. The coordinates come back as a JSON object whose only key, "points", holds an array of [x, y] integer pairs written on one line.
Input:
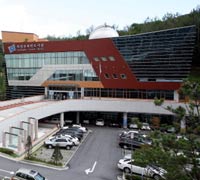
{"points": [[103, 58], [30, 178], [61, 140], [106, 76], [123, 76], [39, 177], [96, 59], [114, 76], [111, 58]]}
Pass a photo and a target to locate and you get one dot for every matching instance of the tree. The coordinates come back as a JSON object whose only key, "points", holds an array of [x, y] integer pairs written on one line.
{"points": [[179, 155], [29, 146], [191, 88], [57, 155]]}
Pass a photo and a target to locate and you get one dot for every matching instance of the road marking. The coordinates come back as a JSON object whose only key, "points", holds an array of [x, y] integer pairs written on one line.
{"points": [[9, 172], [90, 170]]}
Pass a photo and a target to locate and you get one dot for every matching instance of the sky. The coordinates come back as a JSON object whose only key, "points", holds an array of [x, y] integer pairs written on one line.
{"points": [[64, 18]]}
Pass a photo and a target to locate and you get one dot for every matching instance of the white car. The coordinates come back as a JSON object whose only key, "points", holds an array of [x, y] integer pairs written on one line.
{"points": [[84, 129], [24, 174], [128, 166], [100, 122], [128, 133], [69, 137], [133, 126], [145, 126]]}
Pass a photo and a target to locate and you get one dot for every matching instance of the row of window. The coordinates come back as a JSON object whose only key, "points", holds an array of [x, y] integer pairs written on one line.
{"points": [[129, 93], [40, 59], [74, 75], [104, 58], [115, 76]]}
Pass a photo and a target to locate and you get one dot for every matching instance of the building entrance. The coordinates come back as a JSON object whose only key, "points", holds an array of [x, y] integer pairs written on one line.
{"points": [[63, 92]]}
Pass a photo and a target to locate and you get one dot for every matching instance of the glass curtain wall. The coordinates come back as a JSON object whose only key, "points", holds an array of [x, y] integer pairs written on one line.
{"points": [[24, 66], [159, 56], [129, 93]]}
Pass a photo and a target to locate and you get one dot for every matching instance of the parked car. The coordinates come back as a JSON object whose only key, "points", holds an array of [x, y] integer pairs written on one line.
{"points": [[146, 126], [86, 121], [61, 142], [114, 124], [135, 142], [128, 133], [77, 129], [75, 140], [72, 130], [84, 129], [171, 130], [71, 133], [68, 121], [27, 174], [151, 171], [100, 122], [133, 126]]}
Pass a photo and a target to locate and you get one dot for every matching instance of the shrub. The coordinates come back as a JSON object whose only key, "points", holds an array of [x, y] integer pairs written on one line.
{"points": [[158, 102], [7, 151]]}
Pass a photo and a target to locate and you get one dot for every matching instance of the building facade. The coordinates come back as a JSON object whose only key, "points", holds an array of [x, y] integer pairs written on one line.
{"points": [[142, 66], [10, 36]]}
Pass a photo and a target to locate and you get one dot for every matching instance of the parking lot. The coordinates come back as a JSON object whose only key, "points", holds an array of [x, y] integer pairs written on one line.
{"points": [[100, 153], [95, 159]]}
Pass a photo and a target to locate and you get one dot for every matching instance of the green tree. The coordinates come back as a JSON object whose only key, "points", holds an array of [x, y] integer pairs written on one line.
{"points": [[179, 156], [57, 155], [172, 154], [191, 88], [28, 146]]}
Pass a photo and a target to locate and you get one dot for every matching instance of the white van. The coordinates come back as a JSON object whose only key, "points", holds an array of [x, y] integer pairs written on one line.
{"points": [[100, 122]]}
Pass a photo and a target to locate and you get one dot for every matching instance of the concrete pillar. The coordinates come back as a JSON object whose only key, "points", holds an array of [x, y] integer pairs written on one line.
{"points": [[36, 129], [176, 96], [82, 93], [4, 139], [46, 92], [77, 117], [10, 137], [61, 120], [31, 129], [34, 126], [19, 146], [125, 120], [25, 135]]}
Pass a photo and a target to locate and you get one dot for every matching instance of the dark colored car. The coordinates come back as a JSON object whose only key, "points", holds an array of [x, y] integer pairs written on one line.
{"points": [[136, 142], [114, 124], [70, 131]]}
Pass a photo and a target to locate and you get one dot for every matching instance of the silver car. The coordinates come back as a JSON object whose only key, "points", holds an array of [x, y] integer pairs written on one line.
{"points": [[61, 142], [27, 174]]}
